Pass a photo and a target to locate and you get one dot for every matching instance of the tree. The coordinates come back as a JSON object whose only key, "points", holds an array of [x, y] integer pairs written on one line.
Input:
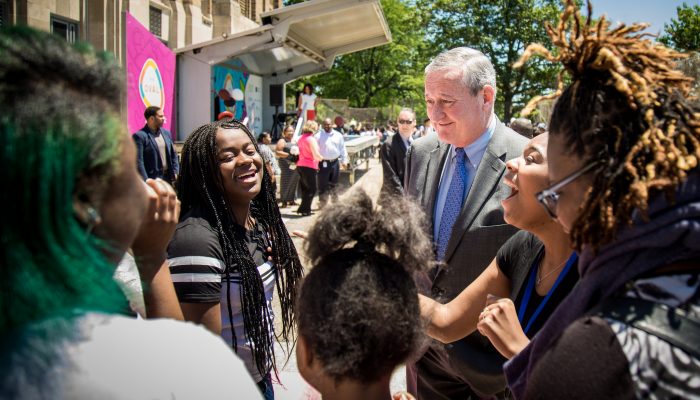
{"points": [[683, 33], [501, 29], [383, 75]]}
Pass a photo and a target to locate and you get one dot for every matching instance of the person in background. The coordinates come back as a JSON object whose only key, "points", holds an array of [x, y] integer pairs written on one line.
{"points": [[331, 146], [289, 179], [307, 166], [231, 250], [307, 101], [524, 127], [393, 152], [225, 115], [427, 127], [80, 204], [359, 316], [264, 141], [340, 125], [541, 128], [624, 145], [155, 153], [456, 176]]}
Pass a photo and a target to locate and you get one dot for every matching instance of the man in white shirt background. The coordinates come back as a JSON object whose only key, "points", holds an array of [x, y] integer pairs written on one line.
{"points": [[332, 146]]}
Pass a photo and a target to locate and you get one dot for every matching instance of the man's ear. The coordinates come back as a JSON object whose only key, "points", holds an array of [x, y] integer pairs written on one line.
{"points": [[489, 95]]}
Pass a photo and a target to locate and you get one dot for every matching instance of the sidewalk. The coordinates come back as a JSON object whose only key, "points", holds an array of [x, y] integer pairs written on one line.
{"points": [[292, 385]]}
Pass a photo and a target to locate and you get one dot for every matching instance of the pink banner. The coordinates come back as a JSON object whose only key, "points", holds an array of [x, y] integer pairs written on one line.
{"points": [[150, 76]]}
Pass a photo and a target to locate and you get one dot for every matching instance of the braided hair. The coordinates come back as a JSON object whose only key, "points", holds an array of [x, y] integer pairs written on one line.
{"points": [[627, 109], [358, 307], [200, 185]]}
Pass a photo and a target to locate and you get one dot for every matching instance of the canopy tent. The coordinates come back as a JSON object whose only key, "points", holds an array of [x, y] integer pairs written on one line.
{"points": [[293, 41]]}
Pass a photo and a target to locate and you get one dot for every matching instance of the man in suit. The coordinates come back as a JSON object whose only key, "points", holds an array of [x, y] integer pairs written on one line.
{"points": [[155, 153], [393, 152], [456, 175]]}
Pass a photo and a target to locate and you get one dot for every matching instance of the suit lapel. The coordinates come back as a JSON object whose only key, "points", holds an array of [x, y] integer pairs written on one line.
{"points": [[487, 178], [432, 181]]}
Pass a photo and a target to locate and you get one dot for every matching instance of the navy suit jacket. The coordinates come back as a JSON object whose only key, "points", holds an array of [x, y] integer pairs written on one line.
{"points": [[148, 160]]}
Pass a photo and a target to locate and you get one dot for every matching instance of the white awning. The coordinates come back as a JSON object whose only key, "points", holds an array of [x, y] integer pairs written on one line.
{"points": [[299, 40]]}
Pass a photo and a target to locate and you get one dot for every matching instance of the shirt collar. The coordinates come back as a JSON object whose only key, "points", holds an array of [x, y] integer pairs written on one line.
{"points": [[475, 151]]}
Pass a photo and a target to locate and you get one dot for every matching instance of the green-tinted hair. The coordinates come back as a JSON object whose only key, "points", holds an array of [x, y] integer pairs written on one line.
{"points": [[60, 134]]}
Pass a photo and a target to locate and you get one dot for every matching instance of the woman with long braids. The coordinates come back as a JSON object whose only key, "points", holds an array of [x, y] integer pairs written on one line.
{"points": [[231, 247], [623, 154]]}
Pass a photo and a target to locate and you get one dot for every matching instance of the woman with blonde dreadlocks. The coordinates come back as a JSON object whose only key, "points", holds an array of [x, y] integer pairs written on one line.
{"points": [[623, 153], [231, 247]]}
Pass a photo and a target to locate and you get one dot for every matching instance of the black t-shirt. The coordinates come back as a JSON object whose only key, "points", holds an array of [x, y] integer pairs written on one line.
{"points": [[197, 260], [517, 259]]}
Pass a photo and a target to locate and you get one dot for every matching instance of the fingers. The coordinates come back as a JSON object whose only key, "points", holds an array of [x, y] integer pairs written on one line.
{"points": [[300, 234], [167, 206]]}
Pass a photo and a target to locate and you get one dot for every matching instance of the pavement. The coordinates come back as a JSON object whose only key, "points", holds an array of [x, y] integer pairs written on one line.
{"points": [[291, 385]]}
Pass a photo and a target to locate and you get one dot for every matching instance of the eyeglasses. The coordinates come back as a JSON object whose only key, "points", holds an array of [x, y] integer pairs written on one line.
{"points": [[405, 121], [550, 196]]}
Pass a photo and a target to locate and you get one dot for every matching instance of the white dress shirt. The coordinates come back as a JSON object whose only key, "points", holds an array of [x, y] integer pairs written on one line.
{"points": [[332, 145]]}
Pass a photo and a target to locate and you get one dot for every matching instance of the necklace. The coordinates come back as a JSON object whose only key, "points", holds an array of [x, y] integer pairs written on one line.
{"points": [[541, 278]]}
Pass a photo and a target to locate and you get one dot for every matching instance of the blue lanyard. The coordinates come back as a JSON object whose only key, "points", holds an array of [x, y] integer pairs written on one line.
{"points": [[531, 285]]}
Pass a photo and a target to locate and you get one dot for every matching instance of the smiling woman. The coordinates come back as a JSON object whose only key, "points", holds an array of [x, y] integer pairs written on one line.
{"points": [[231, 247], [531, 274]]}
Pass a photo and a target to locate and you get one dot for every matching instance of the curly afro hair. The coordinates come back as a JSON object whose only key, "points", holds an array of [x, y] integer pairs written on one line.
{"points": [[358, 307]]}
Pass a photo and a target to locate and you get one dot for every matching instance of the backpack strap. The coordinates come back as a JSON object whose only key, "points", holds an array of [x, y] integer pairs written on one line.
{"points": [[673, 325]]}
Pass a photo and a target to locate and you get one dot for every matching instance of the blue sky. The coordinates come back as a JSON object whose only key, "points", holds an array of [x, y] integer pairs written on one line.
{"points": [[656, 12]]}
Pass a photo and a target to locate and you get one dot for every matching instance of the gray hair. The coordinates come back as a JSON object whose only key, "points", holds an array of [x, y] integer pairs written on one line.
{"points": [[408, 110], [477, 70]]}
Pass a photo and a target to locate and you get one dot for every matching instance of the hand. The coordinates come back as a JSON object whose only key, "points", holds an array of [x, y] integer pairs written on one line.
{"points": [[499, 323], [158, 226], [301, 234], [402, 396]]}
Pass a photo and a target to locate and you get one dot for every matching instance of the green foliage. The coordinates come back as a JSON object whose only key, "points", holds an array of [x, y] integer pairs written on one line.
{"points": [[501, 29], [683, 32], [384, 75]]}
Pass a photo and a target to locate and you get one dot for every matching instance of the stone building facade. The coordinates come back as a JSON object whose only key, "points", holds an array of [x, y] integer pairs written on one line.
{"points": [[177, 23]]}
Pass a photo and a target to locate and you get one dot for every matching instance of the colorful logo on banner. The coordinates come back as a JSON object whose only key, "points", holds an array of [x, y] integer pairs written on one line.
{"points": [[151, 85]]}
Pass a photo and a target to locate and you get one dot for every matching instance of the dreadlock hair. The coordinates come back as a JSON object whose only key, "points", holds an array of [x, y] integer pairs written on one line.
{"points": [[358, 307], [61, 137], [200, 185], [626, 109]]}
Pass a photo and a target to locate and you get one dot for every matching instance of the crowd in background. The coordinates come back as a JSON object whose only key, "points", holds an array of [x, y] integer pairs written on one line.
{"points": [[522, 261]]}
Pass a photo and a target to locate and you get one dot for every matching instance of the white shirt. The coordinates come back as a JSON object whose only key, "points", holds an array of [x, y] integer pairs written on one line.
{"points": [[115, 357], [474, 152], [308, 101], [332, 145]]}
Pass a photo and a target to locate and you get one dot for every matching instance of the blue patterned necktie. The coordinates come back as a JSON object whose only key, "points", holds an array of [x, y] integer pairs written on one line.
{"points": [[453, 203]]}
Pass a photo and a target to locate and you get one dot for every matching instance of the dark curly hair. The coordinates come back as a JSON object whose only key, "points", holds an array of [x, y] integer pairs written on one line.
{"points": [[358, 308], [626, 109]]}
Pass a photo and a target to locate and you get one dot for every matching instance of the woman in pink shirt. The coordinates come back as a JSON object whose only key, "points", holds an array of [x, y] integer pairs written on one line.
{"points": [[309, 156]]}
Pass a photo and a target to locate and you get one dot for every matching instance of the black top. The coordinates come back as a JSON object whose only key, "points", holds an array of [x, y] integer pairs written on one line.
{"points": [[517, 259], [197, 260]]}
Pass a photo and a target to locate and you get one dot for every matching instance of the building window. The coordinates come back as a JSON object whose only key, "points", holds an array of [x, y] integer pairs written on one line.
{"points": [[155, 21], [245, 8], [64, 28], [4, 14], [206, 8]]}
